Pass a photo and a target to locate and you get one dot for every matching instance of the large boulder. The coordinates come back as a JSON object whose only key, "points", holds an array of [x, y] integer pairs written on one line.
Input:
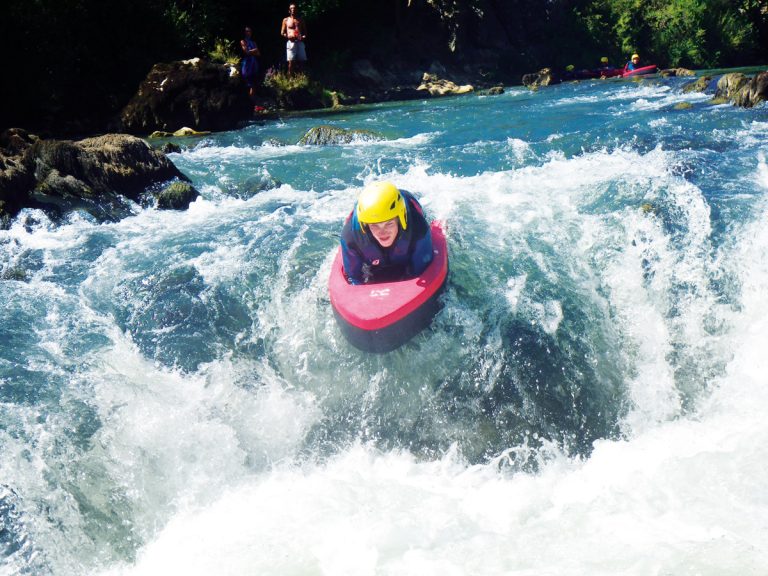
{"points": [[753, 92], [729, 85], [194, 93], [95, 174]]}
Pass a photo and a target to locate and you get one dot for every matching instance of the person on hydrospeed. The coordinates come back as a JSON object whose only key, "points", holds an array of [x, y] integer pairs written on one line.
{"points": [[633, 64], [386, 237]]}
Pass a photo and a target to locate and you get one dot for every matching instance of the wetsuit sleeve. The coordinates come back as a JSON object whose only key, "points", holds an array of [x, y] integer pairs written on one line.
{"points": [[421, 255], [353, 263]]}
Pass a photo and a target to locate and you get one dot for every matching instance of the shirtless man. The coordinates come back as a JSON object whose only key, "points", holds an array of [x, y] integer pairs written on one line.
{"points": [[294, 30]]}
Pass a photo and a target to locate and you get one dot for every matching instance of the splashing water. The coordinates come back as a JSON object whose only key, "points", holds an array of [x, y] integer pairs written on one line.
{"points": [[176, 397]]}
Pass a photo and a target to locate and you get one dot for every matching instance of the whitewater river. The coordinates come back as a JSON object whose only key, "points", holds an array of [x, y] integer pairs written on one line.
{"points": [[177, 399]]}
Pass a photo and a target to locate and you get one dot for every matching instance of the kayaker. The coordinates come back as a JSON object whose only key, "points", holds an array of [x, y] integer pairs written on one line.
{"points": [[386, 237], [633, 64]]}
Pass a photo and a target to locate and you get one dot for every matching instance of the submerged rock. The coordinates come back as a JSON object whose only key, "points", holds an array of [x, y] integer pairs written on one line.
{"points": [[333, 136], [255, 184]]}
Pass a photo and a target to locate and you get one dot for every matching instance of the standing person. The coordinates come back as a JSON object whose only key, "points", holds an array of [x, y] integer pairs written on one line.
{"points": [[386, 237], [250, 64], [295, 32]]}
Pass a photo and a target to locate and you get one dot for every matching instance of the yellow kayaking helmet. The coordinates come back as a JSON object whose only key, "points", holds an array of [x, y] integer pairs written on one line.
{"points": [[635, 56], [379, 202]]}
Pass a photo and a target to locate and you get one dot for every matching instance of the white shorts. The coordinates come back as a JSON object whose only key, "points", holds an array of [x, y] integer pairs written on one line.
{"points": [[295, 51]]}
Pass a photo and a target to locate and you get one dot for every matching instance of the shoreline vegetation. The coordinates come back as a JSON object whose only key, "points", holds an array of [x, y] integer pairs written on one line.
{"points": [[74, 70]]}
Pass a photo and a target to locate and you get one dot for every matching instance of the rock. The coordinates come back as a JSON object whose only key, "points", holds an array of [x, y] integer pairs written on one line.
{"points": [[753, 92], [193, 93], [440, 87], [683, 106], [170, 148], [255, 184], [494, 91], [333, 136], [698, 85], [730, 84], [676, 72], [94, 174], [176, 196], [180, 133], [16, 176], [544, 77]]}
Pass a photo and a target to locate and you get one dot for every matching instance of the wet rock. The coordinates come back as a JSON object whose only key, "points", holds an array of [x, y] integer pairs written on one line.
{"points": [[95, 174], [494, 91], [676, 72], [333, 136], [730, 84], [544, 77], [698, 85], [255, 184], [683, 106], [176, 196], [170, 148], [753, 92]]}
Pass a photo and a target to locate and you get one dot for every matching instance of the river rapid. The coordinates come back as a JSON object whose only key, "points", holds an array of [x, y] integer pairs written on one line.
{"points": [[176, 397]]}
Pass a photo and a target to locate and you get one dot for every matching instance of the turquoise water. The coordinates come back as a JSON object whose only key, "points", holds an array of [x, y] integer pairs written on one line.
{"points": [[176, 398]]}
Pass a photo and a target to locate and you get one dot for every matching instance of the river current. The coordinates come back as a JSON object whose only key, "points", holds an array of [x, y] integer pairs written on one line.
{"points": [[176, 397]]}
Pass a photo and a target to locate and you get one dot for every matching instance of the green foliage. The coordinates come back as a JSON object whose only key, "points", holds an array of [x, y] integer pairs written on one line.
{"points": [[315, 8], [282, 82], [224, 51], [689, 33]]}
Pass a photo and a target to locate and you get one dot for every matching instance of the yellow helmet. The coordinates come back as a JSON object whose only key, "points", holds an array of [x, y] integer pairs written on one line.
{"points": [[379, 202], [604, 59], [635, 56]]}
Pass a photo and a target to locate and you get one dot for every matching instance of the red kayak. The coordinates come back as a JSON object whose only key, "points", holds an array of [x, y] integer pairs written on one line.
{"points": [[383, 316], [640, 71]]}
